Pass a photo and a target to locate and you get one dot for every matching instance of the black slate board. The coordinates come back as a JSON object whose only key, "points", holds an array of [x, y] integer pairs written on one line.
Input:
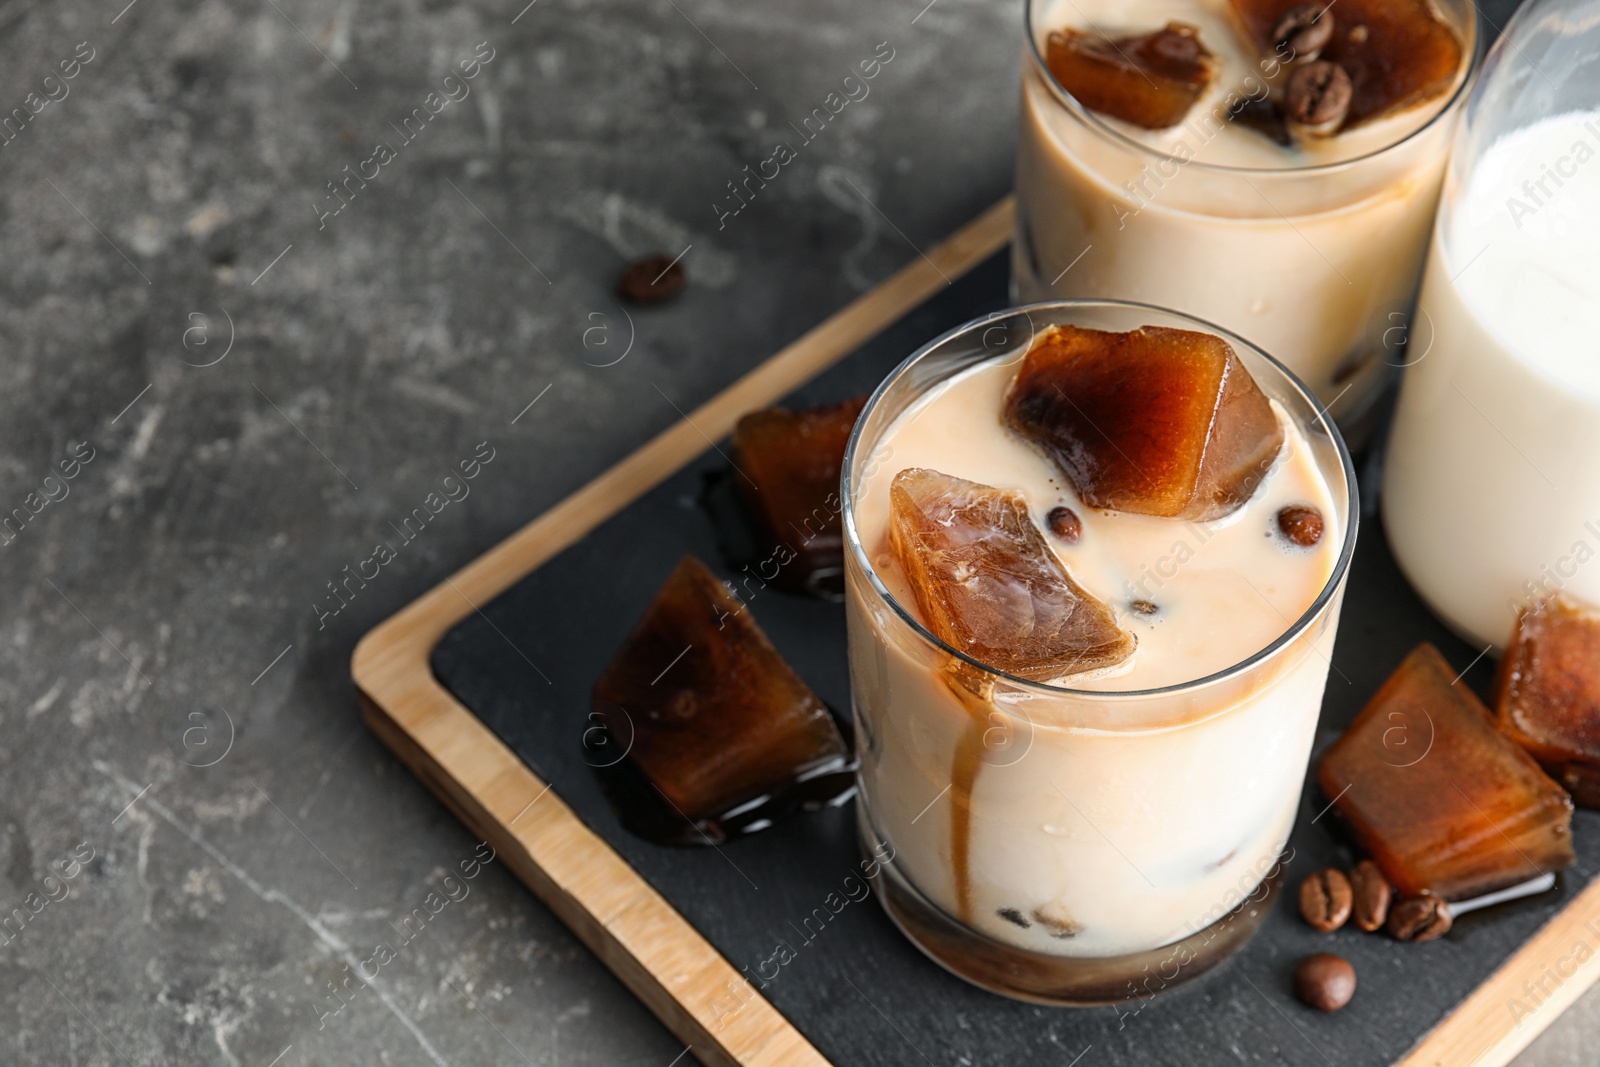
{"points": [[858, 990]]}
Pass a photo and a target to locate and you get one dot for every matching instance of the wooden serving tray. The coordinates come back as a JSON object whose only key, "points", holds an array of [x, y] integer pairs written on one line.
{"points": [[481, 687]]}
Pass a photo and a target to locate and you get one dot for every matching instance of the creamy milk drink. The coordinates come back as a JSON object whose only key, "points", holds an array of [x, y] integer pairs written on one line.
{"points": [[1492, 481]]}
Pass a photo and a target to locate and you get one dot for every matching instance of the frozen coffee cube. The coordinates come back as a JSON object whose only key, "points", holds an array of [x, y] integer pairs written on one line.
{"points": [[1156, 421], [1149, 79], [716, 719], [1548, 694], [787, 469], [1437, 796], [986, 583], [1398, 53]]}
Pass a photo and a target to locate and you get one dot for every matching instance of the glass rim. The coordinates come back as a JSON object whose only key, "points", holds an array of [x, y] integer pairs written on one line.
{"points": [[1104, 129], [1291, 632]]}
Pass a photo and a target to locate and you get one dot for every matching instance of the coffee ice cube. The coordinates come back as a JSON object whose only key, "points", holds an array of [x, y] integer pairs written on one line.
{"points": [[987, 584], [1548, 693], [787, 468], [710, 714], [1398, 53], [1440, 799], [1156, 421], [1148, 79]]}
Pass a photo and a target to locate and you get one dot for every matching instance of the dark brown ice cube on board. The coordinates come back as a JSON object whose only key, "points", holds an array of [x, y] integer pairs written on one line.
{"points": [[1437, 796], [1155, 421], [1548, 694], [1148, 79], [986, 583], [788, 465], [716, 718], [1398, 53]]}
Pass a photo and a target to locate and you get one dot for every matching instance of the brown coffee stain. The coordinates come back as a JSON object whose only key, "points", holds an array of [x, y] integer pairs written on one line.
{"points": [[964, 767]]}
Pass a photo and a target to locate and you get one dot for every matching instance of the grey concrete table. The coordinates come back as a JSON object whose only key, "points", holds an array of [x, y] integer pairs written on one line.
{"points": [[257, 342]]}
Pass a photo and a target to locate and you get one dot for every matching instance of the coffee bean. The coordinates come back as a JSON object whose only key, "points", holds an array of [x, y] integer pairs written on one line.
{"points": [[651, 280], [1301, 524], [1325, 899], [1420, 918], [1065, 524], [1325, 981], [1372, 895], [1319, 95], [1303, 30]]}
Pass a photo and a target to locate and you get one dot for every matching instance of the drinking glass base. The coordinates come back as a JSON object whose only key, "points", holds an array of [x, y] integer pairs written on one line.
{"points": [[1063, 981]]}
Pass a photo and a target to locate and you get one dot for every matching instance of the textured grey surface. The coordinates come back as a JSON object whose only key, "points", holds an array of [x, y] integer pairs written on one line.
{"points": [[172, 608]]}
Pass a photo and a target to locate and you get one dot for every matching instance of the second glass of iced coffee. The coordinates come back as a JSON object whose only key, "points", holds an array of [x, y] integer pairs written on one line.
{"points": [[1267, 165]]}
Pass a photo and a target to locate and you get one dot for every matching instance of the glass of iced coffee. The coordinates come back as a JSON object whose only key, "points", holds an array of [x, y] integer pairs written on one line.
{"points": [[1270, 166], [1095, 556]]}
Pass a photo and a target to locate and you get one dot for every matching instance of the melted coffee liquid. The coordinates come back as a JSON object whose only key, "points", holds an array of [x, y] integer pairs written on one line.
{"points": [[817, 571], [963, 776], [645, 812]]}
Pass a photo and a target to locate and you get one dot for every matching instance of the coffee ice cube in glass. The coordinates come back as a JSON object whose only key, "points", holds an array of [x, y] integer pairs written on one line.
{"points": [[1399, 53], [990, 586], [1157, 420], [1149, 79]]}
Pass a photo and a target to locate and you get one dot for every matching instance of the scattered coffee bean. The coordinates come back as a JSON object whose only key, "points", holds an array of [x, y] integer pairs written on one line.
{"points": [[1263, 116], [1325, 899], [1065, 524], [1325, 981], [1301, 524], [1372, 895], [1303, 30], [1318, 96], [651, 280], [1420, 918]]}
